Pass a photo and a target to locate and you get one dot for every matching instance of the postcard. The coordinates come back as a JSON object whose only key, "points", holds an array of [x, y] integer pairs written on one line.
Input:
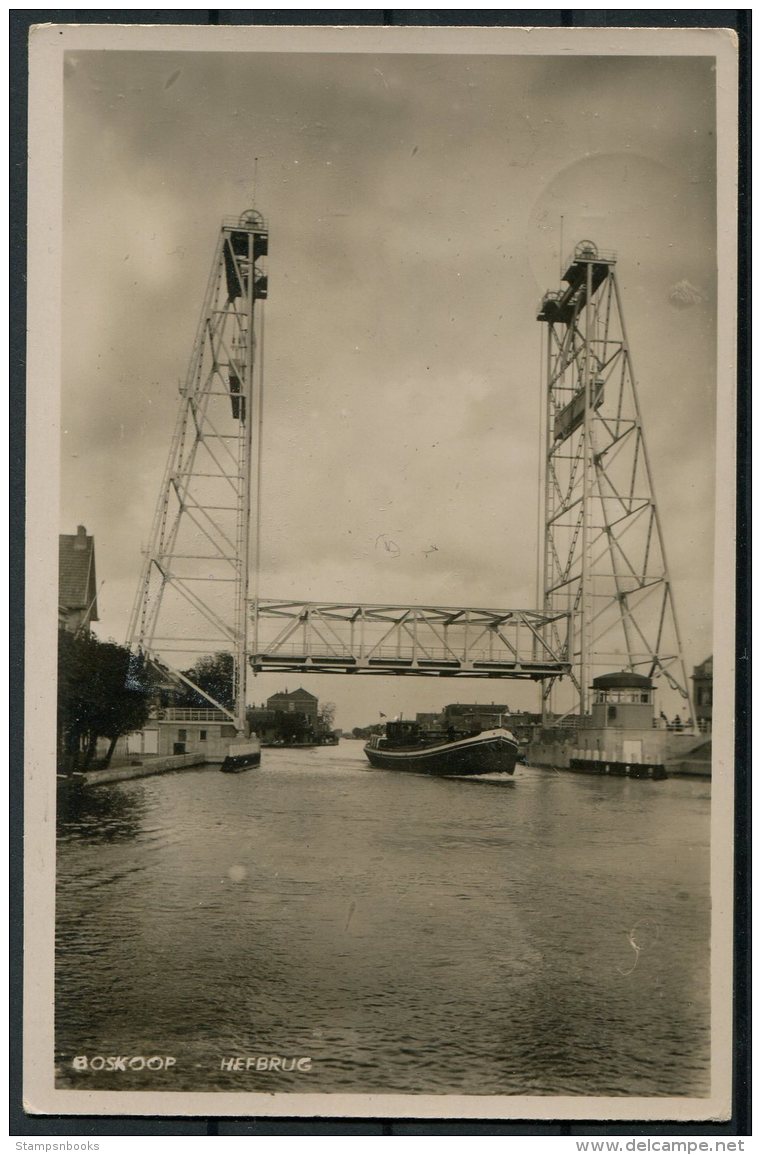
{"points": [[380, 572]]}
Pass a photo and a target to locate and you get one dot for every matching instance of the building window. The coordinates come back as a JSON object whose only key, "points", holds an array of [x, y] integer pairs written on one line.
{"points": [[612, 711], [182, 735], [202, 735], [634, 696]]}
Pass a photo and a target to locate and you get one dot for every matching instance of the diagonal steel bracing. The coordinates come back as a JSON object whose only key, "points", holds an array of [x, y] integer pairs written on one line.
{"points": [[194, 584], [445, 641], [604, 554]]}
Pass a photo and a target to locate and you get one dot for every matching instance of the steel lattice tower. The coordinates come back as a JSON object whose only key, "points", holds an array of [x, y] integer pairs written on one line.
{"points": [[604, 556], [192, 598]]}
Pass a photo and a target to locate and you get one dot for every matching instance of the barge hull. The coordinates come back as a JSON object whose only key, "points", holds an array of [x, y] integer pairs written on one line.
{"points": [[475, 756]]}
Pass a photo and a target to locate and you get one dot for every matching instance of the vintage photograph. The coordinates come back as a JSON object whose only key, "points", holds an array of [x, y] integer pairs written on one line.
{"points": [[387, 515]]}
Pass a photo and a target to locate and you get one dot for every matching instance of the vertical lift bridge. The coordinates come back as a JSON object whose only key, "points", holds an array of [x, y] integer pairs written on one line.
{"points": [[193, 596]]}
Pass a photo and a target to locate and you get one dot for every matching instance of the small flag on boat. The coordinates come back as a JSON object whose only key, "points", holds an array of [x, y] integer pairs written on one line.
{"points": [[381, 714]]}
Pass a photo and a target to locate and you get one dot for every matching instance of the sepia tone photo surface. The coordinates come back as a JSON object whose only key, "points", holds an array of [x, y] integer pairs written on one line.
{"points": [[381, 442]]}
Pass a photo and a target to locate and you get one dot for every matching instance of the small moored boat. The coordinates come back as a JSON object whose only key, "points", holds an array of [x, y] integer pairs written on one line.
{"points": [[407, 746]]}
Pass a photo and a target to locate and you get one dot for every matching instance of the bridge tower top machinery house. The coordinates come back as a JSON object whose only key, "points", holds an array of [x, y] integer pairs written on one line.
{"points": [[192, 598], [604, 553]]}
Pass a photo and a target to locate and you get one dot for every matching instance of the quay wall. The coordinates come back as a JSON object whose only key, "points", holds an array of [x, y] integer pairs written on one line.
{"points": [[695, 764], [681, 754], [144, 770]]}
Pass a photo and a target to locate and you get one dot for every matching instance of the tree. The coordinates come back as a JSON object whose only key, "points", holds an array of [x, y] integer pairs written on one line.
{"points": [[216, 675], [326, 716], [104, 691]]}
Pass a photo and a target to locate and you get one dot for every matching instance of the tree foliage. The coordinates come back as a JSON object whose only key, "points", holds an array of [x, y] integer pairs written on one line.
{"points": [[103, 692], [215, 674], [327, 715], [366, 731]]}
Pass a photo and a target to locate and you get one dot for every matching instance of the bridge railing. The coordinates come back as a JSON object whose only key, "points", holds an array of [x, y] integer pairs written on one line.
{"points": [[410, 652], [187, 714]]}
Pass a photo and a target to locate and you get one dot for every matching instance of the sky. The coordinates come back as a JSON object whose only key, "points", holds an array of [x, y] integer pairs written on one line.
{"points": [[418, 207]]}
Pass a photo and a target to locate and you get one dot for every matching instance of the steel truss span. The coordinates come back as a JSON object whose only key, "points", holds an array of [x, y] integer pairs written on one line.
{"points": [[434, 641], [604, 554], [193, 594]]}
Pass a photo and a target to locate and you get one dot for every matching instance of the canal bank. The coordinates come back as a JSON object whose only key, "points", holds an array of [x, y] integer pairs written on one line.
{"points": [[134, 769], [597, 752]]}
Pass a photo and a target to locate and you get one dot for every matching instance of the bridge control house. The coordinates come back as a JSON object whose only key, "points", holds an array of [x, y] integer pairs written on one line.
{"points": [[621, 735], [623, 702]]}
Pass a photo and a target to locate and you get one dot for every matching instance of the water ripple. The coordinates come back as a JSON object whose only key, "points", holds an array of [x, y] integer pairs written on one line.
{"points": [[407, 934]]}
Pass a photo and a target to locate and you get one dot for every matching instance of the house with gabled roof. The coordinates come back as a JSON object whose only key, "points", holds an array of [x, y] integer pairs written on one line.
{"points": [[296, 702], [77, 591]]}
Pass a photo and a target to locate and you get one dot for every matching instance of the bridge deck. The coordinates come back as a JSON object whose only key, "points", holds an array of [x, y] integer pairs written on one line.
{"points": [[433, 641]]}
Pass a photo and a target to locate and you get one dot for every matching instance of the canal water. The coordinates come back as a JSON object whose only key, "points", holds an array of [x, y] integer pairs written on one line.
{"points": [[545, 934]]}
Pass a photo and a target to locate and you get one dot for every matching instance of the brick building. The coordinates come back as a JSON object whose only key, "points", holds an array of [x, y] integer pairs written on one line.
{"points": [[476, 715], [296, 702]]}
